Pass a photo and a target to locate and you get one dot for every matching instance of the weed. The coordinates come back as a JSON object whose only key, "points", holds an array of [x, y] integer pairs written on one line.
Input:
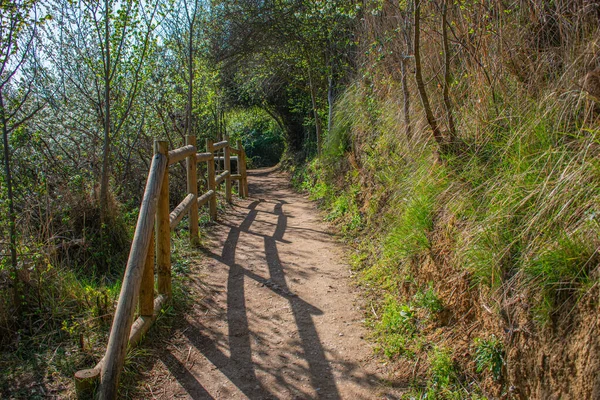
{"points": [[339, 207], [397, 318], [443, 370], [429, 300], [489, 356], [396, 328], [560, 270]]}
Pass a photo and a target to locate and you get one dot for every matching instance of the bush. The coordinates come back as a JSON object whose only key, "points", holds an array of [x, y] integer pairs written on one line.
{"points": [[261, 137], [489, 356]]}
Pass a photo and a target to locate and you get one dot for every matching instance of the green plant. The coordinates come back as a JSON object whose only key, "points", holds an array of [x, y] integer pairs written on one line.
{"points": [[339, 207], [429, 300], [261, 136], [397, 318], [563, 267], [489, 356], [442, 368], [396, 328]]}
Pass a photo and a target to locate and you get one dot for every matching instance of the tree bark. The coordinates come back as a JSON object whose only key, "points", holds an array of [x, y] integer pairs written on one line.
{"points": [[405, 91], [330, 101], [437, 134], [447, 78], [12, 228], [406, 99], [313, 98], [104, 182]]}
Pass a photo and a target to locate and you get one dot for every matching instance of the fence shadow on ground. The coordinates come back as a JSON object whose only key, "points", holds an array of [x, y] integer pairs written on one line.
{"points": [[239, 366]]}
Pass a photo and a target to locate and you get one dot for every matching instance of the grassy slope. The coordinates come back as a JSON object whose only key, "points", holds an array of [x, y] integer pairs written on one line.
{"points": [[476, 265]]}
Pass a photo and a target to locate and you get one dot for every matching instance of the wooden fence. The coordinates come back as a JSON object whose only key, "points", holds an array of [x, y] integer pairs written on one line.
{"points": [[151, 250]]}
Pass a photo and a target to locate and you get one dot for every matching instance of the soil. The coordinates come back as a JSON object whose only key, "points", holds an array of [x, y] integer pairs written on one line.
{"points": [[276, 316]]}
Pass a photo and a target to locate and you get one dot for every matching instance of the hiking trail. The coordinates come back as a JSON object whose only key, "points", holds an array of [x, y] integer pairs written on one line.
{"points": [[277, 316]]}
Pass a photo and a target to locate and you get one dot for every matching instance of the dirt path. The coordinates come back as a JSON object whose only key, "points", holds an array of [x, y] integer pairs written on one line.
{"points": [[277, 317]]}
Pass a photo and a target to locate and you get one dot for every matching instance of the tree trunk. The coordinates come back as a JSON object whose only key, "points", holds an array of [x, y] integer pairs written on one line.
{"points": [[104, 182], [190, 94], [447, 78], [419, 78], [406, 99], [403, 69], [12, 228], [330, 101], [313, 97], [190, 64]]}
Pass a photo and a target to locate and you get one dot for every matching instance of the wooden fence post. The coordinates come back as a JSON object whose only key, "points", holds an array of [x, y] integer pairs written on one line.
{"points": [[123, 319], [192, 187], [227, 167], [245, 173], [242, 170], [212, 185], [163, 231], [146, 297]]}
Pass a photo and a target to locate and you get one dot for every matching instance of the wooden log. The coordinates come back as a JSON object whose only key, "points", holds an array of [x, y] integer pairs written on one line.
{"points": [[86, 383], [205, 197], [220, 145], [227, 166], [204, 157], [86, 380], [143, 323], [178, 213], [181, 153], [240, 150], [212, 185], [219, 179], [236, 177], [233, 150], [192, 187], [121, 326], [163, 234], [146, 299], [239, 169], [245, 174], [221, 158], [242, 170]]}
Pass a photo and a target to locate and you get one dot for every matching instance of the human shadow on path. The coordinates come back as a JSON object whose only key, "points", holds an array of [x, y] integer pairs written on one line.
{"points": [[239, 366], [320, 371]]}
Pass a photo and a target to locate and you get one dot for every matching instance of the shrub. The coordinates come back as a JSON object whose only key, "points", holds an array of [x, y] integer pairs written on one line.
{"points": [[489, 356]]}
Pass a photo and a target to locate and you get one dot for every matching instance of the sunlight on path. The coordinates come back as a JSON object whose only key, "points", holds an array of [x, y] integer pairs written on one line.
{"points": [[278, 317]]}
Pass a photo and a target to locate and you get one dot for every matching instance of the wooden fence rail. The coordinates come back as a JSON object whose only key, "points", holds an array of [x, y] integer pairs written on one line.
{"points": [[151, 251]]}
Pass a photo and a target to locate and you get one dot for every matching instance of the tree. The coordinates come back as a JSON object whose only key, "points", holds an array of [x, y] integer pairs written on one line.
{"points": [[103, 49], [305, 44], [406, 29], [431, 120], [18, 71], [127, 20], [182, 34]]}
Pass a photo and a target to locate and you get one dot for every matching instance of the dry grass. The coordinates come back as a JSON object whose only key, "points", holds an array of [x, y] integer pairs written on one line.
{"points": [[508, 226]]}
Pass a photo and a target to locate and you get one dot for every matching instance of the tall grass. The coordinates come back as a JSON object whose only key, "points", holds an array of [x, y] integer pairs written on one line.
{"points": [[526, 195], [519, 207]]}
